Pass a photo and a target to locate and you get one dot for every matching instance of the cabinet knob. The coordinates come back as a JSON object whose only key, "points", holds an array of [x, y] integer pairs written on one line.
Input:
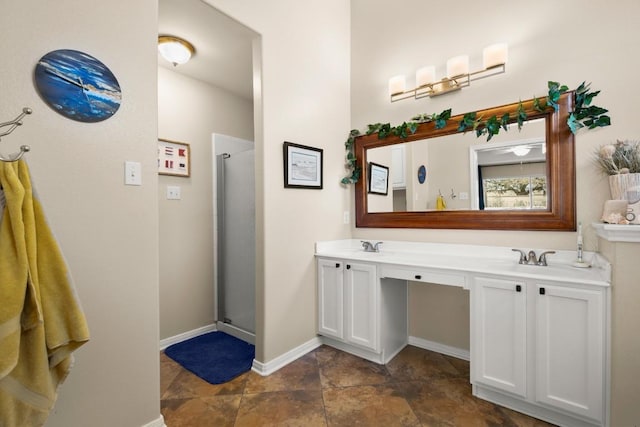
{"points": [[418, 277], [518, 288], [542, 291], [348, 267], [337, 265]]}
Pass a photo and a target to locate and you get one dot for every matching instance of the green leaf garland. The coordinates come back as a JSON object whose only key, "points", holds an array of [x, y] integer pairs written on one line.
{"points": [[584, 115]]}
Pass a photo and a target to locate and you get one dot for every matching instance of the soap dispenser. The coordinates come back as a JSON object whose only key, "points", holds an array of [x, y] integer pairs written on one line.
{"points": [[440, 203]]}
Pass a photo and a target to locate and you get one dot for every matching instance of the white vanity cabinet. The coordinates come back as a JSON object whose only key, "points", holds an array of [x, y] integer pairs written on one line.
{"points": [[540, 347], [539, 335], [331, 298], [570, 349], [499, 334], [359, 311], [348, 302]]}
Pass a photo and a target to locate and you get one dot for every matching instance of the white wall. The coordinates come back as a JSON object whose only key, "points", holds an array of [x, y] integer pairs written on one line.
{"points": [[305, 100], [107, 231], [190, 111], [625, 364], [569, 41]]}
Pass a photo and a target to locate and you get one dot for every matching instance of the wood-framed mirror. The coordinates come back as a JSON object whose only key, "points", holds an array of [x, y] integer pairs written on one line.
{"points": [[557, 212]]}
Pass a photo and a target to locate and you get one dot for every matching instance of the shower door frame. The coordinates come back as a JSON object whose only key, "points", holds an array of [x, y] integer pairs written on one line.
{"points": [[229, 146]]}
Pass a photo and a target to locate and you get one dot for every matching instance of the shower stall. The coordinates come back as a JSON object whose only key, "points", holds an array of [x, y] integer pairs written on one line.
{"points": [[234, 236]]}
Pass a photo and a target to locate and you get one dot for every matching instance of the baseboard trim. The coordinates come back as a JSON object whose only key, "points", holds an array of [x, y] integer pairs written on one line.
{"points": [[270, 367], [158, 422], [164, 343], [440, 348], [241, 334], [362, 353]]}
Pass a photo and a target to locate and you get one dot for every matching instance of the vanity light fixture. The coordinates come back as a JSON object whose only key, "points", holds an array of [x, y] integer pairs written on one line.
{"points": [[458, 76], [175, 50]]}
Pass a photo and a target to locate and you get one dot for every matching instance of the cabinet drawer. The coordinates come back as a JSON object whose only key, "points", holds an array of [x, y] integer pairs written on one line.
{"points": [[423, 275]]}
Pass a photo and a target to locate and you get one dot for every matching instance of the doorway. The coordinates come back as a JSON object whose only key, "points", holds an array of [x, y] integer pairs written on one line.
{"points": [[211, 93]]}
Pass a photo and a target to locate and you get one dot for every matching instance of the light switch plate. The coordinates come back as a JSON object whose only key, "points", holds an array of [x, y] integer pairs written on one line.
{"points": [[132, 173]]}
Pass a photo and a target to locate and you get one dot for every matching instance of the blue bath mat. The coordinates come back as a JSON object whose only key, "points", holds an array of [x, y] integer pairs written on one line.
{"points": [[215, 357]]}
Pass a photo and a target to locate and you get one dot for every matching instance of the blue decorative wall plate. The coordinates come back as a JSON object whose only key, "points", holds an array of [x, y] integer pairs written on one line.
{"points": [[77, 85], [422, 174]]}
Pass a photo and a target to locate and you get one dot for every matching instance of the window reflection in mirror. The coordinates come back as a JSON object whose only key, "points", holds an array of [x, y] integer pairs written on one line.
{"points": [[512, 186], [469, 172], [511, 175]]}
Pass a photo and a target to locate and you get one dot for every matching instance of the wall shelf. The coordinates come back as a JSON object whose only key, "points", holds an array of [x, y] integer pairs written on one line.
{"points": [[617, 232]]}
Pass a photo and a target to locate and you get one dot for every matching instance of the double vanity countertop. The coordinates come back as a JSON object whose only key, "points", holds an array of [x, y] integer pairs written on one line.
{"points": [[463, 258]]}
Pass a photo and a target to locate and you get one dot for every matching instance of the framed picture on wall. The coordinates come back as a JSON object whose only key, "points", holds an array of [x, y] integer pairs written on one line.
{"points": [[302, 166], [378, 179], [174, 158]]}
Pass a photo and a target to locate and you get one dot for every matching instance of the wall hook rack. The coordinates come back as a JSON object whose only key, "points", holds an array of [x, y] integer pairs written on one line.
{"points": [[13, 124]]}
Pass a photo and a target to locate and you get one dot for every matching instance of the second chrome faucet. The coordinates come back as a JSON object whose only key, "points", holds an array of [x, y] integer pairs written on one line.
{"points": [[531, 258], [371, 247]]}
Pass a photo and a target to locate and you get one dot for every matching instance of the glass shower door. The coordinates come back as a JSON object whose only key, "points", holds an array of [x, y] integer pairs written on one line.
{"points": [[236, 240]]}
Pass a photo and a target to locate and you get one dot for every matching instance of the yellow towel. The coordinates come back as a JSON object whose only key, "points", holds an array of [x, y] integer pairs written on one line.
{"points": [[41, 321]]}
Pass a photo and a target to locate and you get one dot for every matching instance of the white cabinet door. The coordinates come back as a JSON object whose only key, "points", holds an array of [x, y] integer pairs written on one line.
{"points": [[498, 340], [570, 349], [330, 298], [398, 166], [361, 300]]}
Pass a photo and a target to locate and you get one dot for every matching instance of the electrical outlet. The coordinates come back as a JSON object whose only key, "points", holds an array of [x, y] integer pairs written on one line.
{"points": [[345, 217], [173, 192], [464, 195]]}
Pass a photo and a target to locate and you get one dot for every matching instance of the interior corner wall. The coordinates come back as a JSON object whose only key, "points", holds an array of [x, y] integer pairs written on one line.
{"points": [[625, 365], [107, 231], [543, 45], [190, 111], [304, 99]]}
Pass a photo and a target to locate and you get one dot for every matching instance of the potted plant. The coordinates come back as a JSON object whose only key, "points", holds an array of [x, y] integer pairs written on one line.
{"points": [[621, 162]]}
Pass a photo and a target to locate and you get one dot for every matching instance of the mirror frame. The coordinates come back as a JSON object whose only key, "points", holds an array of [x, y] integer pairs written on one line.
{"points": [[561, 167]]}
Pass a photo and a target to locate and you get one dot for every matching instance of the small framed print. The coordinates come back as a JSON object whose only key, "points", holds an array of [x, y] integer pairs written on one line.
{"points": [[302, 166], [174, 158], [378, 179]]}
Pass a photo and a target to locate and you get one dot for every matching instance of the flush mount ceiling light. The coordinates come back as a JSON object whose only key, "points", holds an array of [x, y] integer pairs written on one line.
{"points": [[175, 50], [458, 75], [521, 150]]}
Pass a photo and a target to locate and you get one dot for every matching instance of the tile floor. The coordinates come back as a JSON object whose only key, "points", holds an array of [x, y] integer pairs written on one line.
{"points": [[327, 387]]}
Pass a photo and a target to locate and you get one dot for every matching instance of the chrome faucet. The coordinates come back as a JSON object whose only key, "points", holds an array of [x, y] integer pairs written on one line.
{"points": [[371, 247], [542, 260], [523, 258], [532, 259]]}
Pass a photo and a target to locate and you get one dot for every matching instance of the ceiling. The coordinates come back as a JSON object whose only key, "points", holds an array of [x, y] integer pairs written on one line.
{"points": [[223, 55], [505, 155]]}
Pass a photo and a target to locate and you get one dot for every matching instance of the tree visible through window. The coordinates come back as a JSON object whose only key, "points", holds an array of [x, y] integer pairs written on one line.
{"points": [[528, 192]]}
